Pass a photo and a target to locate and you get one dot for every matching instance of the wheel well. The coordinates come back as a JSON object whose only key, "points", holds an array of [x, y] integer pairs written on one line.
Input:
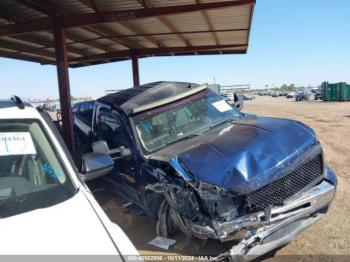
{"points": [[152, 202]]}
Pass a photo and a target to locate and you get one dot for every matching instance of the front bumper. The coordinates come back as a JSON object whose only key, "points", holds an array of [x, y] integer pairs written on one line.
{"points": [[283, 224]]}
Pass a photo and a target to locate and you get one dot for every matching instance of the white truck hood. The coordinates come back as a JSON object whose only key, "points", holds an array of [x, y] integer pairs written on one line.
{"points": [[71, 227]]}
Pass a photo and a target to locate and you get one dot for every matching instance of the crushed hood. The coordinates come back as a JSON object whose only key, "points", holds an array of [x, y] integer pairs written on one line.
{"points": [[245, 155]]}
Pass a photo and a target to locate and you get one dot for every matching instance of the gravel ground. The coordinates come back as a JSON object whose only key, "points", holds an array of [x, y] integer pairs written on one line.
{"points": [[330, 236]]}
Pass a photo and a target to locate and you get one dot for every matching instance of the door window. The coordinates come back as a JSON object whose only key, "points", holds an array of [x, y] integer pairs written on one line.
{"points": [[111, 130]]}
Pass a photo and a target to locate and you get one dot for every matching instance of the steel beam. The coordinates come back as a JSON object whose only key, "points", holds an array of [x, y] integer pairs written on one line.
{"points": [[204, 52], [29, 58], [135, 70], [152, 51], [64, 88], [154, 34], [82, 19]]}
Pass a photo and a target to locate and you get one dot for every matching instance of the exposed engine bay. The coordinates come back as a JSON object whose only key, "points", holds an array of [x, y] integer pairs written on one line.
{"points": [[258, 222]]}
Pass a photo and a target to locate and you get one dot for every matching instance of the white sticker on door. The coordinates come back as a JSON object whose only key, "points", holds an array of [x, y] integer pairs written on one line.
{"points": [[16, 143], [222, 106]]}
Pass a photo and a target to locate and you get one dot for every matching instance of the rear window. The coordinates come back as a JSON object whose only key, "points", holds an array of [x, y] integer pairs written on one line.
{"points": [[31, 173]]}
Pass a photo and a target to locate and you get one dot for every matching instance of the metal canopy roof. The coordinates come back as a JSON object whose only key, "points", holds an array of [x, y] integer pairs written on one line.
{"points": [[102, 31]]}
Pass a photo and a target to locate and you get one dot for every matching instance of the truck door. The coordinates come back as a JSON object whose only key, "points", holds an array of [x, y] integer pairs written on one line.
{"points": [[111, 129]]}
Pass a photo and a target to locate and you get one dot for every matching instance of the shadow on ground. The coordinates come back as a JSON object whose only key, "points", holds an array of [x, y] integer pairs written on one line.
{"points": [[141, 229]]}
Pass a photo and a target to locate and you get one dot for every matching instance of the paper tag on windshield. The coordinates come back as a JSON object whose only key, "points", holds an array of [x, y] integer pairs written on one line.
{"points": [[222, 106], [16, 143]]}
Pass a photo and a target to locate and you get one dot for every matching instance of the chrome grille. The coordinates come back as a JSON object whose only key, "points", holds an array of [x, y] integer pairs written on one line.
{"points": [[277, 192]]}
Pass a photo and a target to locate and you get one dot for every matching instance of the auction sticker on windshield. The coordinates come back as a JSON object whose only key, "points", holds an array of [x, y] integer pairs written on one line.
{"points": [[222, 106], [16, 143]]}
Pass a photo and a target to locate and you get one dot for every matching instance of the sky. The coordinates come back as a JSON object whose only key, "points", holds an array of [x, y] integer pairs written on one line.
{"points": [[304, 42]]}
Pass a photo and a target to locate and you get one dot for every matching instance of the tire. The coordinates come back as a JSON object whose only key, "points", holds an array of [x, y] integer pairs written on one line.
{"points": [[165, 225]]}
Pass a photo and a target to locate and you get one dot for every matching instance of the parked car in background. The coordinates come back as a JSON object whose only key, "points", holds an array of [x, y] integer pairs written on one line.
{"points": [[235, 99], [290, 95], [49, 107], [274, 94], [247, 97], [189, 159], [318, 95], [226, 96], [302, 96], [45, 206]]}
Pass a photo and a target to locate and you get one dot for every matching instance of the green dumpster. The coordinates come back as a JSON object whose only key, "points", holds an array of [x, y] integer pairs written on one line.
{"points": [[330, 91], [343, 95], [347, 92], [326, 91]]}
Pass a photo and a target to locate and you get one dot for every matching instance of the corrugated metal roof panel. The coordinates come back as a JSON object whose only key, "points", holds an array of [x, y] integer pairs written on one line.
{"points": [[81, 33], [201, 39], [39, 57], [18, 44], [159, 3], [109, 43], [73, 6], [193, 21], [230, 18], [20, 11], [22, 47], [84, 48], [118, 4], [134, 33], [227, 38], [117, 28], [170, 40], [150, 25], [7, 50], [141, 41]]}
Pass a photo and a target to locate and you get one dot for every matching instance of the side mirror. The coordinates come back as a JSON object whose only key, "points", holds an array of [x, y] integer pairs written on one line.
{"points": [[117, 153], [95, 165], [100, 147]]}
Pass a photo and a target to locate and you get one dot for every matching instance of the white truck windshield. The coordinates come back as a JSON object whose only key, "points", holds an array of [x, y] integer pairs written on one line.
{"points": [[31, 174]]}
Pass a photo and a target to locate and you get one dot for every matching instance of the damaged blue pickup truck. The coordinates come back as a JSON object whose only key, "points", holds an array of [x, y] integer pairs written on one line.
{"points": [[198, 165]]}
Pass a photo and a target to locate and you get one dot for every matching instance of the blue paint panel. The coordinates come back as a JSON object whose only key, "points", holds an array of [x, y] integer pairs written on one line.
{"points": [[250, 153]]}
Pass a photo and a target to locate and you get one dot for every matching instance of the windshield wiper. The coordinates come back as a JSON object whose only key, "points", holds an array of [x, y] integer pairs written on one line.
{"points": [[229, 120], [182, 139]]}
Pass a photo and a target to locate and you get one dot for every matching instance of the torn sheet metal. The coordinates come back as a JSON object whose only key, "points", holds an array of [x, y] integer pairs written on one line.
{"points": [[268, 239], [250, 154]]}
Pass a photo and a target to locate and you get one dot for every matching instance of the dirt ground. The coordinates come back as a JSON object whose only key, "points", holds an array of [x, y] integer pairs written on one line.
{"points": [[330, 236]]}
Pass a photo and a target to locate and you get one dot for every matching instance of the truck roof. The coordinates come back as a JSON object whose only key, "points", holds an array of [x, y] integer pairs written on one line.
{"points": [[15, 109], [137, 97]]}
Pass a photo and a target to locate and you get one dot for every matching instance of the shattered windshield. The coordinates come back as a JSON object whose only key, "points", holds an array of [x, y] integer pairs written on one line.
{"points": [[182, 120], [31, 174]]}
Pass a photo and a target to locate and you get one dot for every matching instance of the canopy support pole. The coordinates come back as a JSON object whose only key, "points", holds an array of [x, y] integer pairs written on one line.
{"points": [[135, 70], [64, 88]]}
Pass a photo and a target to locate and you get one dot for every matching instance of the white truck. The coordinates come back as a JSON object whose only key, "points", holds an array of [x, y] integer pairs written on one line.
{"points": [[45, 206]]}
